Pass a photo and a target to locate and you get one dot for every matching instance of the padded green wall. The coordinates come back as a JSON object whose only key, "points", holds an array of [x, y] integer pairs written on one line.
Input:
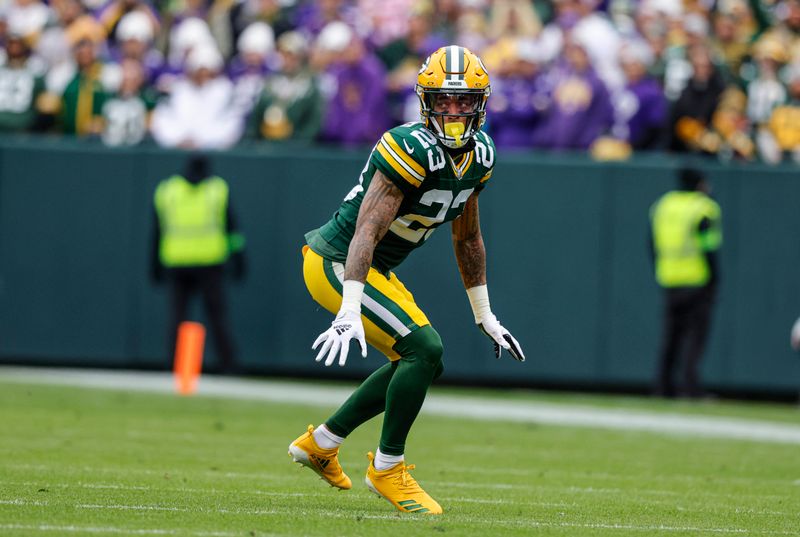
{"points": [[568, 267]]}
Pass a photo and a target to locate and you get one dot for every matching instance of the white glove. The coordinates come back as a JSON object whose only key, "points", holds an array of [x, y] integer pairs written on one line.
{"points": [[501, 337], [345, 327], [487, 322]]}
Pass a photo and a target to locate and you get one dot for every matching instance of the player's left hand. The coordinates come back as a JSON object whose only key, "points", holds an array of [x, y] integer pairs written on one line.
{"points": [[336, 339], [501, 337]]}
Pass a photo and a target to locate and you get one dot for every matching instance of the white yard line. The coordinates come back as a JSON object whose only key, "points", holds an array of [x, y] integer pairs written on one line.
{"points": [[649, 496], [118, 531], [461, 407], [477, 522]]}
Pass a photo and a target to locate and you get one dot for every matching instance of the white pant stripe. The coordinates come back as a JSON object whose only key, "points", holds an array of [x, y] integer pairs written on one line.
{"points": [[369, 303]]}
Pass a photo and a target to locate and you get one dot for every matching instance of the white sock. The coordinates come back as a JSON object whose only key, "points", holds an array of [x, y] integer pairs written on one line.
{"points": [[325, 438], [384, 462]]}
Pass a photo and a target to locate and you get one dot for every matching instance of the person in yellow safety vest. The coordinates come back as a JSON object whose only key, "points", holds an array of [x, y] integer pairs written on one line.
{"points": [[686, 234], [195, 236]]}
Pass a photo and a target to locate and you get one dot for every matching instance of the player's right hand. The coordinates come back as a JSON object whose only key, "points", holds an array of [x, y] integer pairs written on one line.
{"points": [[336, 339]]}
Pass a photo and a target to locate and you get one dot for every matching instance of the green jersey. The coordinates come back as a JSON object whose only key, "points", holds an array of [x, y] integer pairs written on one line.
{"points": [[19, 89], [435, 188]]}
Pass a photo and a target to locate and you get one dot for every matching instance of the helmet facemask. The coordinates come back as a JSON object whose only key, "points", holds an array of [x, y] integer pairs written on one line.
{"points": [[441, 109]]}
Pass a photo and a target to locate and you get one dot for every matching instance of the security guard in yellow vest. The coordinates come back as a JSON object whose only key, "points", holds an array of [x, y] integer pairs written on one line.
{"points": [[195, 236], [686, 235]]}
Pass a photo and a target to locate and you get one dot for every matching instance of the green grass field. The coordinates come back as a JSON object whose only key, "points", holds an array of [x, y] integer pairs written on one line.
{"points": [[84, 461]]}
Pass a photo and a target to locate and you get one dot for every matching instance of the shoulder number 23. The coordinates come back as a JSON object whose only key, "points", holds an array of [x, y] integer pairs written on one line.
{"points": [[484, 153]]}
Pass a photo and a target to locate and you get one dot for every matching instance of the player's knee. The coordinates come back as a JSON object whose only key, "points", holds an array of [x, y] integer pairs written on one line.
{"points": [[423, 346], [431, 353]]}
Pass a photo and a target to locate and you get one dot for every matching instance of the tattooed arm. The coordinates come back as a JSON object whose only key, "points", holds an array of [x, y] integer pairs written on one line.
{"points": [[378, 211], [468, 245], [471, 258]]}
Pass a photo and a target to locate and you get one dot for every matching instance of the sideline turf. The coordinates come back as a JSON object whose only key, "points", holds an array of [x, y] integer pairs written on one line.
{"points": [[94, 462]]}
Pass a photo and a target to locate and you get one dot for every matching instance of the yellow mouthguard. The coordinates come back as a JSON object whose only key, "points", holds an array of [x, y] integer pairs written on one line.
{"points": [[455, 130]]}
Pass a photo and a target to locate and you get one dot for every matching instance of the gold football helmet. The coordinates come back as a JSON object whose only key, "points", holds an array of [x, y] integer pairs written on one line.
{"points": [[453, 84]]}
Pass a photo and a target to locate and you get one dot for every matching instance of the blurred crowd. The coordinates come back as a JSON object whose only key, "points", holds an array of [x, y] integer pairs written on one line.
{"points": [[718, 77]]}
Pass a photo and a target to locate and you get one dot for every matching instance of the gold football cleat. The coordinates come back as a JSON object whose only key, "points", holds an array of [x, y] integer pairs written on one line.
{"points": [[325, 462], [400, 489]]}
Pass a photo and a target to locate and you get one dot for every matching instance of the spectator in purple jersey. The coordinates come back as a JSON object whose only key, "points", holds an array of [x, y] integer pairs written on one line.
{"points": [[353, 81], [579, 108], [135, 40], [640, 109], [517, 98], [184, 37], [254, 50], [247, 70], [190, 33]]}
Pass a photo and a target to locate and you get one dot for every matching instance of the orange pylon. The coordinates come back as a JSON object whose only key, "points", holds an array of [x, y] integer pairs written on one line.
{"points": [[189, 356]]}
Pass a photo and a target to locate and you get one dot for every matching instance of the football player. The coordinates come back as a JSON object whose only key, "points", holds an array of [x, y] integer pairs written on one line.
{"points": [[418, 176]]}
